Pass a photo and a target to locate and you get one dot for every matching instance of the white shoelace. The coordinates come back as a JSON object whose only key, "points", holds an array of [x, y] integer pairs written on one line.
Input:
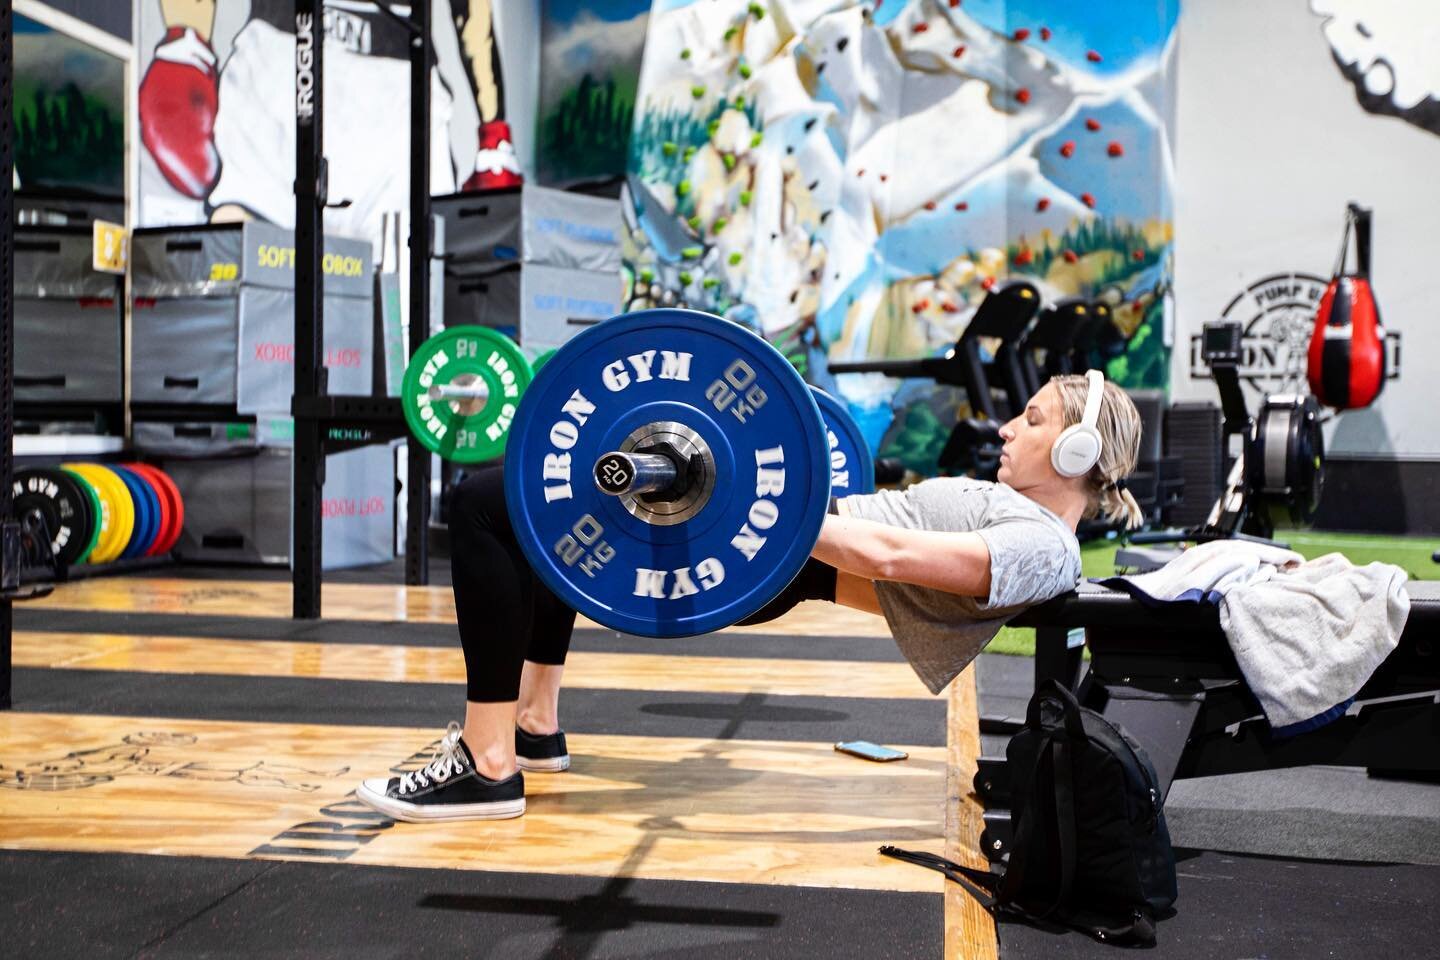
{"points": [[447, 762]]}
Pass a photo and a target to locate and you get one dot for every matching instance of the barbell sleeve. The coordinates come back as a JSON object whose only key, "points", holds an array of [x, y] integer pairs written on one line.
{"points": [[633, 474], [451, 391]]}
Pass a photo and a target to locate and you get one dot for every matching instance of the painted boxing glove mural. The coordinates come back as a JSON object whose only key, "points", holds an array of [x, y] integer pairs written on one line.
{"points": [[179, 98], [495, 162], [217, 119]]}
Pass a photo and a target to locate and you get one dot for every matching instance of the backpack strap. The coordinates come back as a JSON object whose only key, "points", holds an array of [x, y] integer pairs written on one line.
{"points": [[977, 883], [1052, 776], [1054, 757], [1063, 769], [1055, 690]]}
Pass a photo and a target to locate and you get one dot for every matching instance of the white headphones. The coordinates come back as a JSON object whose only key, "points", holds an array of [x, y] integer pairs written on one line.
{"points": [[1077, 449]]}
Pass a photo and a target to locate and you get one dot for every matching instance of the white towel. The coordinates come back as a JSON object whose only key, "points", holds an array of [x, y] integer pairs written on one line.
{"points": [[1308, 637], [1206, 572]]}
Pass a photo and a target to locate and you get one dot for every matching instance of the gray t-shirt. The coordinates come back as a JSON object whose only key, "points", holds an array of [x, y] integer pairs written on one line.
{"points": [[1033, 556]]}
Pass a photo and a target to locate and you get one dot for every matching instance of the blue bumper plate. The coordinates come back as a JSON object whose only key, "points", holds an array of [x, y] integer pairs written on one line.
{"points": [[749, 445]]}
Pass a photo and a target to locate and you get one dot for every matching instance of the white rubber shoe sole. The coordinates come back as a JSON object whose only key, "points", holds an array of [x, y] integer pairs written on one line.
{"points": [[420, 813], [547, 765]]}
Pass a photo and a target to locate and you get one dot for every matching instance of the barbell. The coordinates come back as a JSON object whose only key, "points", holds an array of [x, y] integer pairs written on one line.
{"points": [[448, 386], [667, 471]]}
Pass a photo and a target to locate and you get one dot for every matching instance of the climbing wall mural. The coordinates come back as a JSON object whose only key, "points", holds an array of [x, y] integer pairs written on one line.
{"points": [[849, 179]]}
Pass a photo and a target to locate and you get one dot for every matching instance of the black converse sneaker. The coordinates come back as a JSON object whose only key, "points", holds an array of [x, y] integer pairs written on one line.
{"points": [[544, 753], [446, 788]]}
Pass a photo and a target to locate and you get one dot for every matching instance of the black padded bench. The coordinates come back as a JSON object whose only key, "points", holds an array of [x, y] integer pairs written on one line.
{"points": [[1168, 677]]}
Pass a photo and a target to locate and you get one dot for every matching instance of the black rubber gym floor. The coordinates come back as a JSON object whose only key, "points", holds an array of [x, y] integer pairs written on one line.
{"points": [[632, 712], [95, 905], [1233, 906]]}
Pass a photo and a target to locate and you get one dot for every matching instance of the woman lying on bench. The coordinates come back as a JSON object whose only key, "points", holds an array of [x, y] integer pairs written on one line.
{"points": [[946, 562]]}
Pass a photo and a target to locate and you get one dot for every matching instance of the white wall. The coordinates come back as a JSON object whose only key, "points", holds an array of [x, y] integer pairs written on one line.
{"points": [[1271, 144]]}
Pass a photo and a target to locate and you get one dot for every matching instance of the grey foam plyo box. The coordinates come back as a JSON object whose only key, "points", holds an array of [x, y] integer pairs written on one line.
{"points": [[533, 225], [193, 439], [57, 263], [67, 350], [558, 302], [216, 302], [482, 227], [265, 369], [68, 319], [183, 350], [487, 295], [564, 229], [237, 505]]}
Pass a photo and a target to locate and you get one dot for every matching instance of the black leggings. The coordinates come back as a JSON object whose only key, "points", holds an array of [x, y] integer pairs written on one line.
{"points": [[507, 615]]}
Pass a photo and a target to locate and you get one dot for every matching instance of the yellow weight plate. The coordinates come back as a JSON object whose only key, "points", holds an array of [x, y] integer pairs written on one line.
{"points": [[124, 510], [119, 510]]}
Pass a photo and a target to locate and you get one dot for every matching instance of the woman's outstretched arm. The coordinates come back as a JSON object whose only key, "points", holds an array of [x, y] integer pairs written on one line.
{"points": [[954, 562]]}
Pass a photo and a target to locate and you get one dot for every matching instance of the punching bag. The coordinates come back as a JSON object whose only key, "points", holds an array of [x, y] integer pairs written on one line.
{"points": [[1347, 349]]}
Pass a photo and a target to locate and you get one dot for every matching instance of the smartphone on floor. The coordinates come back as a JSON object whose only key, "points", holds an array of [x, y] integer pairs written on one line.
{"points": [[870, 751]]}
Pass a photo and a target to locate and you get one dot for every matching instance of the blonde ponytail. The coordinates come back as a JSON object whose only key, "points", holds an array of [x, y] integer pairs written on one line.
{"points": [[1118, 505]]}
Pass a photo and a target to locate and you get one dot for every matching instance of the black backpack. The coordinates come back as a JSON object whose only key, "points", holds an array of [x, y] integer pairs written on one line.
{"points": [[1090, 848]]}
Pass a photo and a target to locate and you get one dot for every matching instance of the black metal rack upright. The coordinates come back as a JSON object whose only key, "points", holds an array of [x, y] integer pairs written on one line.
{"points": [[324, 422], [7, 318], [417, 484]]}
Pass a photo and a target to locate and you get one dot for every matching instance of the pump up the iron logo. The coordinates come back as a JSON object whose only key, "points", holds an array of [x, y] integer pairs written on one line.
{"points": [[1277, 315]]}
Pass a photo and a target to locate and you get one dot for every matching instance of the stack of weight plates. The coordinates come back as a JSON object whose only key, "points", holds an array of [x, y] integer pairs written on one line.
{"points": [[98, 513]]}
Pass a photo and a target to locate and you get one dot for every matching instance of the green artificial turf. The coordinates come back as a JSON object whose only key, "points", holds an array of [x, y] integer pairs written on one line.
{"points": [[1411, 554]]}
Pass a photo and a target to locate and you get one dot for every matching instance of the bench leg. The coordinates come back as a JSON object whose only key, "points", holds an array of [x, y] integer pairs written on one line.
{"points": [[1059, 655], [1161, 722]]}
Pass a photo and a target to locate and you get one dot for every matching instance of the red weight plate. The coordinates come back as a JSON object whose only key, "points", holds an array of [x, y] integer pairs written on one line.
{"points": [[171, 511], [179, 509]]}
